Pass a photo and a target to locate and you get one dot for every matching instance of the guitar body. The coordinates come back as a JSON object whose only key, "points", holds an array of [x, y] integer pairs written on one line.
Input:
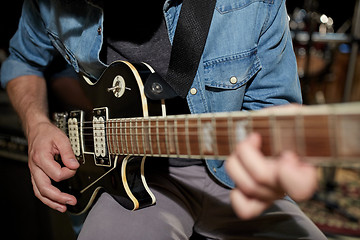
{"points": [[117, 94]]}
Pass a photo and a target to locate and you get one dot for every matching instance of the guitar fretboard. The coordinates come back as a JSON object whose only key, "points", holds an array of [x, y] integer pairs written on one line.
{"points": [[326, 134]]}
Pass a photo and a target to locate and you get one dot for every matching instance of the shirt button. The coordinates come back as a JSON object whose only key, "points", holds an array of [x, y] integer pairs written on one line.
{"points": [[214, 169], [99, 30], [67, 57], [193, 91], [233, 80]]}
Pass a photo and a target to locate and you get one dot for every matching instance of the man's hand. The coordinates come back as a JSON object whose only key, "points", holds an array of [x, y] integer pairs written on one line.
{"points": [[28, 95], [260, 181], [46, 141]]}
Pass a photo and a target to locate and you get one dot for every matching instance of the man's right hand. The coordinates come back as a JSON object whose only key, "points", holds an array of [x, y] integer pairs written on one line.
{"points": [[28, 95], [46, 141]]}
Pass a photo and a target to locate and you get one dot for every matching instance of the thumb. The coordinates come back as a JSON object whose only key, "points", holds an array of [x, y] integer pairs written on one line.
{"points": [[67, 155], [297, 178]]}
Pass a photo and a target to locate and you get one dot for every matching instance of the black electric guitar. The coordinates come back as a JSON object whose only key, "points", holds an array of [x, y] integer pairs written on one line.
{"points": [[120, 127]]}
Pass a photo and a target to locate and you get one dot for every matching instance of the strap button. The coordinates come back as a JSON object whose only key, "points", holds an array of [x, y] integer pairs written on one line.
{"points": [[156, 88]]}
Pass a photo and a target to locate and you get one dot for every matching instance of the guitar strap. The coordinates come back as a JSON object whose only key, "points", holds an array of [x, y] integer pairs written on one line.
{"points": [[188, 45]]}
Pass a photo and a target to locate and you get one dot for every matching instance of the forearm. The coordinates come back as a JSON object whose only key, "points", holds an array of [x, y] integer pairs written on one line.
{"points": [[28, 96]]}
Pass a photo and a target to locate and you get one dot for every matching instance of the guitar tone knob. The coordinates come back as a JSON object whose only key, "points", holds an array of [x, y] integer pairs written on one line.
{"points": [[118, 87]]}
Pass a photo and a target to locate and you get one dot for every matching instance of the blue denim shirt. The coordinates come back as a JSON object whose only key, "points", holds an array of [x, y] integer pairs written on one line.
{"points": [[248, 62]]}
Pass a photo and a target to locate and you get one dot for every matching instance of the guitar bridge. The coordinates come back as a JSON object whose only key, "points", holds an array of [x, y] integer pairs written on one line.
{"points": [[101, 153]]}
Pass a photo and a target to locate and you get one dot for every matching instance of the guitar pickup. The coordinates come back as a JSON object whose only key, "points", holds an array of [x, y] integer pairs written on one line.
{"points": [[75, 132], [102, 157], [60, 121]]}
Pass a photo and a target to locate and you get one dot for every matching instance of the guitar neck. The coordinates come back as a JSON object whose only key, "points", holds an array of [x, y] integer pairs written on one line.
{"points": [[319, 134]]}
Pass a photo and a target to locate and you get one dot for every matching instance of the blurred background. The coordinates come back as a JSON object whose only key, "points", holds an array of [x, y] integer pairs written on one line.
{"points": [[326, 38]]}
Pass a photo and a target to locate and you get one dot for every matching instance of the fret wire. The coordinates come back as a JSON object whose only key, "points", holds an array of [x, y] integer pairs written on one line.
{"points": [[150, 142], [299, 133], [273, 135], [109, 137], [171, 135], [157, 135], [113, 141], [121, 136], [176, 137], [137, 136], [126, 139], [143, 135], [187, 136], [118, 135], [166, 136], [114, 144], [117, 138], [106, 137], [201, 150], [230, 133], [215, 147], [131, 136]]}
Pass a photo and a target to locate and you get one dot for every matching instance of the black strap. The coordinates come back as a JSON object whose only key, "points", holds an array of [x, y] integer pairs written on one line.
{"points": [[188, 45]]}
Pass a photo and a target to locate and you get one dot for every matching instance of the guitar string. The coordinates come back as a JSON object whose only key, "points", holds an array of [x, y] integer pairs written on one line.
{"points": [[316, 121], [132, 141], [323, 125], [134, 147], [221, 130], [181, 137], [195, 129], [291, 120]]}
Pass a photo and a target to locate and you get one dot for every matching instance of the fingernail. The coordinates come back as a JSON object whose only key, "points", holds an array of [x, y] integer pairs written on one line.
{"points": [[60, 209], [74, 161], [69, 202]]}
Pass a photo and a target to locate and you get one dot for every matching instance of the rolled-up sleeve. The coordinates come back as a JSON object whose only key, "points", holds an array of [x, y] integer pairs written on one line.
{"points": [[277, 82], [30, 48]]}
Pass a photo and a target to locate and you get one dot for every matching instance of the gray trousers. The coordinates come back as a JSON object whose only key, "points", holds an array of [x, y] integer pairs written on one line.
{"points": [[188, 200]]}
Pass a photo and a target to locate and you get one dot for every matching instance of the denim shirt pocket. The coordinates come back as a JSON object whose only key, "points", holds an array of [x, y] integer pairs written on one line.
{"points": [[231, 72], [226, 78], [63, 50]]}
